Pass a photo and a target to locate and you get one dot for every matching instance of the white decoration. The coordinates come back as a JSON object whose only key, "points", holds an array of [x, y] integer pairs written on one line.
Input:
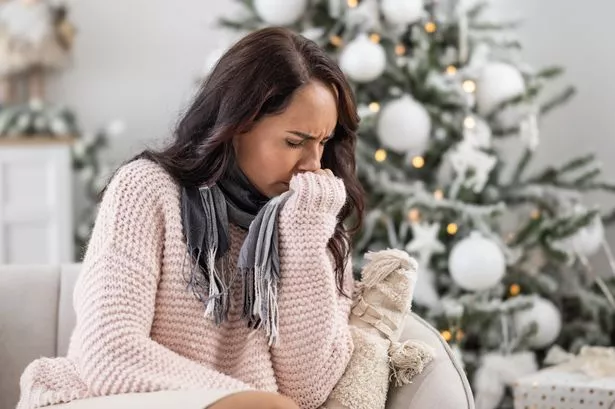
{"points": [[280, 12], [476, 263], [465, 157], [363, 60], [58, 126], [530, 132], [588, 240], [23, 121], [498, 82], [403, 12], [425, 242], [26, 22], [404, 125], [547, 318], [496, 371], [584, 242], [479, 134], [36, 104], [79, 148]]}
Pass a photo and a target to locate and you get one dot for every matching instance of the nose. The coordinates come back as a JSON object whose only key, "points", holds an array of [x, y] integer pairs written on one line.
{"points": [[310, 160]]}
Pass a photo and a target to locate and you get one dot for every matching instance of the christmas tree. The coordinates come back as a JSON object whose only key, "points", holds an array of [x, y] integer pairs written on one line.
{"points": [[450, 117]]}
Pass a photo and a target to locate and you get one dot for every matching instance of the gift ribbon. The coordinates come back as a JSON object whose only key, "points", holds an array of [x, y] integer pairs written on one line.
{"points": [[593, 361]]}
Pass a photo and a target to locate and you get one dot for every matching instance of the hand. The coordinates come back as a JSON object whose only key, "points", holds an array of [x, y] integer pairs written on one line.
{"points": [[324, 172]]}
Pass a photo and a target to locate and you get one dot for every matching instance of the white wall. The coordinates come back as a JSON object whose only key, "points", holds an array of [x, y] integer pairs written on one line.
{"points": [[137, 60]]}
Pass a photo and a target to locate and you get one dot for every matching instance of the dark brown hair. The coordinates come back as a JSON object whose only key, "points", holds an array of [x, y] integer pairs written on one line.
{"points": [[257, 76]]}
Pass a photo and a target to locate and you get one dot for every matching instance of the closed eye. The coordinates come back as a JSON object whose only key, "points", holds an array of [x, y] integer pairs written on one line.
{"points": [[295, 144]]}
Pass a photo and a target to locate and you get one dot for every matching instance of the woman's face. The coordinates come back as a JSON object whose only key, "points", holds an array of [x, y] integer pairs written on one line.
{"points": [[279, 146]]}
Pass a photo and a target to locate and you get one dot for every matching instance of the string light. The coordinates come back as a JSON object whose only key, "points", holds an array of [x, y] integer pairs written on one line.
{"points": [[375, 38], [431, 27], [451, 70], [459, 335], [374, 107], [336, 40], [418, 162], [446, 334], [414, 215], [438, 194], [380, 155], [469, 86], [452, 228], [353, 3], [400, 49], [469, 122], [514, 290], [535, 214]]}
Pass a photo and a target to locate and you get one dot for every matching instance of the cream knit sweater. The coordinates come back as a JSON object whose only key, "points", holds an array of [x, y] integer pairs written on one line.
{"points": [[139, 329]]}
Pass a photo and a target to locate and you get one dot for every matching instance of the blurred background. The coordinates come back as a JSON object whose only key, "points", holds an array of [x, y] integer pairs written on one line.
{"points": [[125, 71]]}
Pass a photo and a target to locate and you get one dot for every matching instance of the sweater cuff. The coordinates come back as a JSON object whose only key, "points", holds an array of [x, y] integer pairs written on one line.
{"points": [[317, 193]]}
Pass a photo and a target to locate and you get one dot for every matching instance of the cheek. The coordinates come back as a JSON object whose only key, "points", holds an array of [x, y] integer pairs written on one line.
{"points": [[273, 163], [278, 162]]}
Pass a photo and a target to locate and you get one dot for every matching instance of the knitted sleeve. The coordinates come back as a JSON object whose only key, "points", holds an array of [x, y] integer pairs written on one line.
{"points": [[314, 341], [116, 292]]}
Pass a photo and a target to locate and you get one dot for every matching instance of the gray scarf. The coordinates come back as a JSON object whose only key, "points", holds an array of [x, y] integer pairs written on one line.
{"points": [[206, 214]]}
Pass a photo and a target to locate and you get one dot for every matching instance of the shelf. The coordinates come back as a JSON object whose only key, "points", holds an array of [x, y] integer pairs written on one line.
{"points": [[36, 140]]}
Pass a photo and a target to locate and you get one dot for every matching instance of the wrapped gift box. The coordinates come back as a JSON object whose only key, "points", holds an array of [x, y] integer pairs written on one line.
{"points": [[555, 389]]}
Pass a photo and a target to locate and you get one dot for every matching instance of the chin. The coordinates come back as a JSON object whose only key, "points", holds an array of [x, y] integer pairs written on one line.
{"points": [[279, 188]]}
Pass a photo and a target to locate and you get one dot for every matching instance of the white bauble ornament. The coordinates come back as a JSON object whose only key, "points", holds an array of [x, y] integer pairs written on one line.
{"points": [[403, 12], [280, 12], [548, 320], [363, 60], [588, 240], [498, 82], [404, 125], [476, 263]]}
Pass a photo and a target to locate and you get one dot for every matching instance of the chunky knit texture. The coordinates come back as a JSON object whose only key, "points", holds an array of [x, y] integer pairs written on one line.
{"points": [[139, 329]]}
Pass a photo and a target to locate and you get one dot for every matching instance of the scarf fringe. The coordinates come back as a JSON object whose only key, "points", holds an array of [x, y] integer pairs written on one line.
{"points": [[205, 225], [260, 306]]}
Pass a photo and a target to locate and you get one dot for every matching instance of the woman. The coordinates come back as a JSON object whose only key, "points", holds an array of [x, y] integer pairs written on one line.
{"points": [[221, 263]]}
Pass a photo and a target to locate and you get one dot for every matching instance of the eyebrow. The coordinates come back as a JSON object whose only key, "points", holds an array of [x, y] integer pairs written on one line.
{"points": [[307, 135]]}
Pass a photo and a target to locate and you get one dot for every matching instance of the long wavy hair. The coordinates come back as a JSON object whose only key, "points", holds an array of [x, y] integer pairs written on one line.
{"points": [[256, 77]]}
